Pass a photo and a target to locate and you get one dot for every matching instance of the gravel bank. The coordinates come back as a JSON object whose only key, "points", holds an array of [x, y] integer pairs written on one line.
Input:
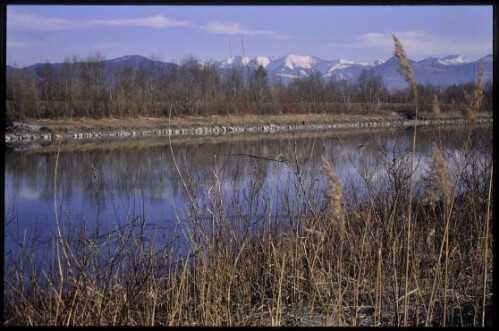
{"points": [[20, 133]]}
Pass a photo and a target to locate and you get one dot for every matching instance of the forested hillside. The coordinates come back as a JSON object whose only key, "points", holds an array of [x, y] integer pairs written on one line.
{"points": [[95, 88]]}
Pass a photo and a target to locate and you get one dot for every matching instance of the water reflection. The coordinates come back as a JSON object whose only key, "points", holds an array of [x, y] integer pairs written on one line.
{"points": [[110, 184]]}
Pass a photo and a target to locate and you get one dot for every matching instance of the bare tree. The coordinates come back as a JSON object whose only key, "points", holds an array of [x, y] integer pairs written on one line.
{"points": [[47, 88], [233, 89], [126, 92], [314, 90], [259, 88], [369, 88], [93, 89], [69, 83], [210, 87], [189, 85]]}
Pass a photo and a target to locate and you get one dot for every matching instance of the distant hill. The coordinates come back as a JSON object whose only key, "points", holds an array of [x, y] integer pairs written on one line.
{"points": [[445, 71], [453, 69]]}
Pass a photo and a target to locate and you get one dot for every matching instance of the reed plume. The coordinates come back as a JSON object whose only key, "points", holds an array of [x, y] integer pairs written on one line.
{"points": [[436, 104], [445, 186], [406, 69], [441, 185], [476, 102], [335, 196]]}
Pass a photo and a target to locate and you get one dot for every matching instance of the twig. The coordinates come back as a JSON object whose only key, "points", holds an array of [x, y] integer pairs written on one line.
{"points": [[258, 157], [411, 79], [487, 221]]}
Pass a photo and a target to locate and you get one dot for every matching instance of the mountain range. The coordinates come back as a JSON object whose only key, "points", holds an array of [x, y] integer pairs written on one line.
{"points": [[445, 71]]}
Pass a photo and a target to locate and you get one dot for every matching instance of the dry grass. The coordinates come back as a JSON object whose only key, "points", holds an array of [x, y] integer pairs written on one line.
{"points": [[445, 188], [442, 187], [409, 76], [144, 123], [476, 101], [291, 268], [435, 104], [335, 195], [406, 69], [88, 125], [321, 258]]}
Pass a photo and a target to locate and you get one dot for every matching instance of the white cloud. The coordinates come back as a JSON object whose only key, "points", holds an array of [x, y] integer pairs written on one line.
{"points": [[421, 43], [236, 29], [28, 43], [385, 40], [157, 22], [32, 22]]}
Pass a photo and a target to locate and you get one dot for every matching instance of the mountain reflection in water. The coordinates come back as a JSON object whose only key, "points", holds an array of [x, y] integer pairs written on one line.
{"points": [[106, 185]]}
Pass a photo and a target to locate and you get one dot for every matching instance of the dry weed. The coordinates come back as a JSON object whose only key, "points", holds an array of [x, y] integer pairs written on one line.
{"points": [[406, 69]]}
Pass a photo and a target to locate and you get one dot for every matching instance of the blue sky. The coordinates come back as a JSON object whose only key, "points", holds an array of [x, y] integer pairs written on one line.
{"points": [[362, 33]]}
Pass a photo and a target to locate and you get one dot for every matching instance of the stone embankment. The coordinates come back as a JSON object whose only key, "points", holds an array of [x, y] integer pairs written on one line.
{"points": [[19, 132]]}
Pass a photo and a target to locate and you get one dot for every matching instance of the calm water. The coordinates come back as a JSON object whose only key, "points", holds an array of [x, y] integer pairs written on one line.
{"points": [[102, 187]]}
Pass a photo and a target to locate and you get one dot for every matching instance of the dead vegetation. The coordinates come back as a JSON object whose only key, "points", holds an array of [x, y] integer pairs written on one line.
{"points": [[321, 258], [406, 253]]}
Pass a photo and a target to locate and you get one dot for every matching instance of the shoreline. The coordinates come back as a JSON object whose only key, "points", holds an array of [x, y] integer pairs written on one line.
{"points": [[45, 132]]}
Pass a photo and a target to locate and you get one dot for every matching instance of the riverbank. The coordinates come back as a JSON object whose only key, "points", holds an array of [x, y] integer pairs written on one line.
{"points": [[223, 234], [47, 131]]}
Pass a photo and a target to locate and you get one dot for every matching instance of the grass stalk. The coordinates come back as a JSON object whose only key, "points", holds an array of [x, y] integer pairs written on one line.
{"points": [[409, 76], [378, 289], [335, 196], [345, 265], [476, 101], [486, 246]]}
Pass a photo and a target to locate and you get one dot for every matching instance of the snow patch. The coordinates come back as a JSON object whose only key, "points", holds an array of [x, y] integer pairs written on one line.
{"points": [[286, 75], [237, 61], [296, 61], [338, 66], [262, 61], [343, 61], [452, 59]]}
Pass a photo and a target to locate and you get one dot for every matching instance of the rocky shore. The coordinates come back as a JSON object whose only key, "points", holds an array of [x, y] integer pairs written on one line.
{"points": [[20, 133]]}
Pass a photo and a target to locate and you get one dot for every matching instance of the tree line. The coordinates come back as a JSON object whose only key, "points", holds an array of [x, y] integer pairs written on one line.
{"points": [[83, 88]]}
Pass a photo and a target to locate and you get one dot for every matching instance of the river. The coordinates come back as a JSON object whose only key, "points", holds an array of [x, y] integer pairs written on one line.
{"points": [[104, 187]]}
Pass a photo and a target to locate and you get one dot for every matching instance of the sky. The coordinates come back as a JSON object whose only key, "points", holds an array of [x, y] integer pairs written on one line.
{"points": [[362, 34]]}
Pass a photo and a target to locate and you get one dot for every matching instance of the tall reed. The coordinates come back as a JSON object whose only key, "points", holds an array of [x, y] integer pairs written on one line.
{"points": [[435, 104], [406, 70], [486, 246], [409, 76], [445, 189], [476, 101], [259, 256], [335, 196]]}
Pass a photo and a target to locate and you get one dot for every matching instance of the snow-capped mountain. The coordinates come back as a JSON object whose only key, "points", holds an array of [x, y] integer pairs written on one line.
{"points": [[289, 67], [292, 66], [452, 59], [238, 62], [444, 71]]}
